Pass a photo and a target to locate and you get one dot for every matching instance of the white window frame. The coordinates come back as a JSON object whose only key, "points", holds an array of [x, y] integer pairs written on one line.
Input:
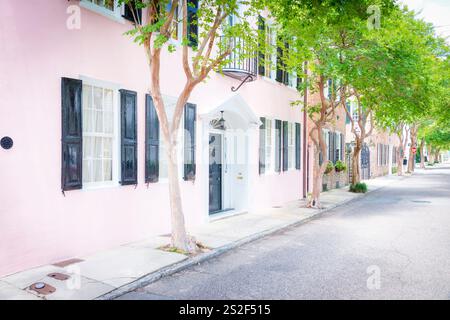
{"points": [[115, 15], [116, 140], [270, 165], [292, 80], [326, 133], [291, 146], [338, 145], [273, 56], [180, 145]]}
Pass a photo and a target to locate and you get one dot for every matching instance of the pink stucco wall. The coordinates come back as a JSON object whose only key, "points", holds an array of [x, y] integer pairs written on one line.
{"points": [[38, 225]]}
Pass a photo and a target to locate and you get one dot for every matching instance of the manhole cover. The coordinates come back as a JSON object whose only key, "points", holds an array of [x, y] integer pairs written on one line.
{"points": [[59, 276], [42, 288]]}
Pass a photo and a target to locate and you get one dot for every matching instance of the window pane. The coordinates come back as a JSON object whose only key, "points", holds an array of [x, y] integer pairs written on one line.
{"points": [[97, 167], [98, 98], [107, 148], [87, 171], [107, 4], [107, 170], [98, 134]]}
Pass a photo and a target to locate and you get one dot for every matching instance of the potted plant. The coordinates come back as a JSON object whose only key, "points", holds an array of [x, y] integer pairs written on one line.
{"points": [[329, 168], [340, 166]]}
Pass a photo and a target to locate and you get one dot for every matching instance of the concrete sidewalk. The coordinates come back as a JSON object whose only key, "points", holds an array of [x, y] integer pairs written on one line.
{"points": [[111, 273]]}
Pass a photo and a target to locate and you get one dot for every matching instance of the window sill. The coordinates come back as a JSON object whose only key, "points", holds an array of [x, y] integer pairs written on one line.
{"points": [[270, 80], [273, 81], [92, 187], [101, 11], [271, 173]]}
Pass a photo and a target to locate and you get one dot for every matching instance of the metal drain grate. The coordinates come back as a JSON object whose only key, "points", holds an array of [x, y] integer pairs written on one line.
{"points": [[421, 201]]}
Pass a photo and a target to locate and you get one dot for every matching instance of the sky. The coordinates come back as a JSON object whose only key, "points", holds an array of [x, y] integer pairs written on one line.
{"points": [[434, 11]]}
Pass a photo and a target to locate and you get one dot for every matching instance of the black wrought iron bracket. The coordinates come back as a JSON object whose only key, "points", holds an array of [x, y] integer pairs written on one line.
{"points": [[248, 78]]}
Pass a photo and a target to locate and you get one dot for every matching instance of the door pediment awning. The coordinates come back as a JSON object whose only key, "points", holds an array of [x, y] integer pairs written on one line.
{"points": [[236, 105]]}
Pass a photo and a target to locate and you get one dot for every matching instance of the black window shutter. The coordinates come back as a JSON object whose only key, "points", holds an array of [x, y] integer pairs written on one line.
{"points": [[262, 46], [300, 76], [330, 88], [262, 146], [299, 82], [285, 146], [335, 147], [278, 145], [286, 74], [342, 147], [151, 141], [128, 14], [72, 134], [280, 72], [128, 121], [330, 146], [298, 147], [192, 23], [189, 141], [320, 151]]}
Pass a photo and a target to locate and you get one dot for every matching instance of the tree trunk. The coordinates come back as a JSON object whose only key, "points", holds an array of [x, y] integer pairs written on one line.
{"points": [[356, 175], [422, 156], [180, 239], [400, 161], [412, 156], [436, 155], [319, 171], [430, 154]]}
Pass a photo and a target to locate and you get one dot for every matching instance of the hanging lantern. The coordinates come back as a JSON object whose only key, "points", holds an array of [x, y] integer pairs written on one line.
{"points": [[219, 124]]}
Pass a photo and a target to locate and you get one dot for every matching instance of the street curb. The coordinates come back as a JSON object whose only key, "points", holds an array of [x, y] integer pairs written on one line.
{"points": [[189, 262]]}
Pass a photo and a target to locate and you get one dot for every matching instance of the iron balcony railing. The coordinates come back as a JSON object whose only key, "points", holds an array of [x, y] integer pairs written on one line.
{"points": [[242, 62]]}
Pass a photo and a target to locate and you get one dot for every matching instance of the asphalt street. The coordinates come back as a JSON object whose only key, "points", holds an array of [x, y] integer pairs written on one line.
{"points": [[394, 243]]}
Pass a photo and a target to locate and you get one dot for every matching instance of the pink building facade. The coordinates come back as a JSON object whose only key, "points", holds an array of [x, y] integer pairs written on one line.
{"points": [[378, 156], [40, 224]]}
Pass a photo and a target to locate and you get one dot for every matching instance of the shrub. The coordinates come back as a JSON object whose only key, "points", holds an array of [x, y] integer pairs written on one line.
{"points": [[360, 187], [340, 166], [394, 170], [330, 167]]}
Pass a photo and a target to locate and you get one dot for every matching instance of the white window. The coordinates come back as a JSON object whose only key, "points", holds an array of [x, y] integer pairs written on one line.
{"points": [[177, 25], [327, 142], [292, 80], [338, 146], [108, 8], [270, 143], [271, 54], [170, 104], [100, 135], [291, 145]]}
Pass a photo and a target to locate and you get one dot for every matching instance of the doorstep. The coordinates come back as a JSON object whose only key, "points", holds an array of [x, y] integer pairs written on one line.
{"points": [[111, 273]]}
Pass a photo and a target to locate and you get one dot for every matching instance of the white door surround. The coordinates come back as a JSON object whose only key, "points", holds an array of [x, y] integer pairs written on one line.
{"points": [[240, 152]]}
